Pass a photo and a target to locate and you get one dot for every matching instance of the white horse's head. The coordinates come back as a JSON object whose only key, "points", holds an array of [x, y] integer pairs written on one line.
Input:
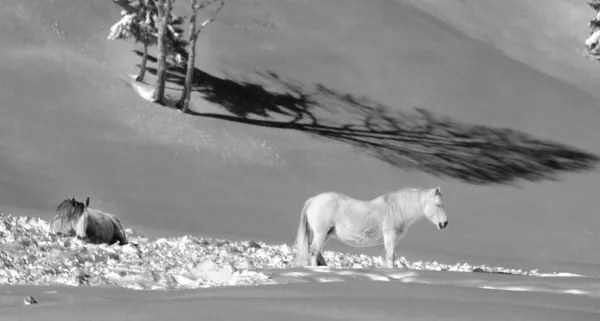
{"points": [[433, 207]]}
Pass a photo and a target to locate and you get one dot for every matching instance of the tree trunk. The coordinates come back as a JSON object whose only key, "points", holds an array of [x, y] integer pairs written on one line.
{"points": [[161, 75], [189, 77], [184, 101], [140, 77]]}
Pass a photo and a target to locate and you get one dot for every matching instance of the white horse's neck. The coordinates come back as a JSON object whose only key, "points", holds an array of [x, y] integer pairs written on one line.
{"points": [[407, 203]]}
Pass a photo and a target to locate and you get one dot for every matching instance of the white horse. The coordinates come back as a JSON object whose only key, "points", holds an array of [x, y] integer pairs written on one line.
{"points": [[382, 220], [74, 218]]}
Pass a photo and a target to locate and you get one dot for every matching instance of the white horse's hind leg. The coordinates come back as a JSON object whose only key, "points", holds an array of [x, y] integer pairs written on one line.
{"points": [[317, 244], [321, 260]]}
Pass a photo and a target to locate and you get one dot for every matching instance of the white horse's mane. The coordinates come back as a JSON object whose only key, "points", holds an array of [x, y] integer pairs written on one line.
{"points": [[407, 202]]}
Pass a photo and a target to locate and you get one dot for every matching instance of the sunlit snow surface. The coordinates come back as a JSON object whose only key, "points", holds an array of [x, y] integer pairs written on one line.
{"points": [[30, 254]]}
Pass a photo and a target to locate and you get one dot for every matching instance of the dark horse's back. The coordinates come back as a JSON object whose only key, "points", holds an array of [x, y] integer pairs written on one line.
{"points": [[104, 228]]}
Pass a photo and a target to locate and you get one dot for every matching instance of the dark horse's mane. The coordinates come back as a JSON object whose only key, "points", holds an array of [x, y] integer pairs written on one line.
{"points": [[70, 210]]}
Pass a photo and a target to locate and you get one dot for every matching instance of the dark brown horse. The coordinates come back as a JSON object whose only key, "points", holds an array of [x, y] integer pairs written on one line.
{"points": [[74, 218]]}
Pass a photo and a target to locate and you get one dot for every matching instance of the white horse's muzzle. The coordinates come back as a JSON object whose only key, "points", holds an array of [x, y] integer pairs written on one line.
{"points": [[442, 225]]}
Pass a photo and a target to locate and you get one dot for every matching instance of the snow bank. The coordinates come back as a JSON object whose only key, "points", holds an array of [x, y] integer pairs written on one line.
{"points": [[30, 254]]}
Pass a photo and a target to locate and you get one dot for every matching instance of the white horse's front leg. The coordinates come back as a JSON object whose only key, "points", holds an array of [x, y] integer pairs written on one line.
{"points": [[391, 236], [390, 244]]}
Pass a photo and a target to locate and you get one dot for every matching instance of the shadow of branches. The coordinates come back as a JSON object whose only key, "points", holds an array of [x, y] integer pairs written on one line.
{"points": [[416, 139]]}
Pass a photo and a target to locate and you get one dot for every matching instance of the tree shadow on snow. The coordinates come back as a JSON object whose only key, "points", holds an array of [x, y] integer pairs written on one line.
{"points": [[417, 139]]}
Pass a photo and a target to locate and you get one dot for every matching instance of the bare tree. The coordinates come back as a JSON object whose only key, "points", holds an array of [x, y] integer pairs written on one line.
{"points": [[194, 32], [164, 13]]}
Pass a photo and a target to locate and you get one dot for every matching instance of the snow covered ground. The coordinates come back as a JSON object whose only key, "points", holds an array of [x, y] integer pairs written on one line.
{"points": [[187, 278], [34, 256]]}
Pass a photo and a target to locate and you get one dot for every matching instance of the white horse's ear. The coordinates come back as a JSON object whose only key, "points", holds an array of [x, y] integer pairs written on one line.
{"points": [[438, 190], [87, 202]]}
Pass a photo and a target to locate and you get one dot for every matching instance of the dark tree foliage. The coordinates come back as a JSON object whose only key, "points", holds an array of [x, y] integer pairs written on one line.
{"points": [[592, 41]]}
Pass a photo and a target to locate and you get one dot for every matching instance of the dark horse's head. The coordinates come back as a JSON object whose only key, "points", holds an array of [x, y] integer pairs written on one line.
{"points": [[67, 214]]}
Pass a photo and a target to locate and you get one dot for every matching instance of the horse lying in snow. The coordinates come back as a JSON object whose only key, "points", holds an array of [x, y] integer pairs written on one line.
{"points": [[74, 218], [382, 220]]}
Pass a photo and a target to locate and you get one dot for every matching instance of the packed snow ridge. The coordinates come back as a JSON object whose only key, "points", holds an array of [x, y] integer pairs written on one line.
{"points": [[31, 254]]}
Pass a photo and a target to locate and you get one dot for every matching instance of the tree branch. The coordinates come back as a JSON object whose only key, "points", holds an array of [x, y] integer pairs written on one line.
{"points": [[160, 5], [203, 5], [212, 18]]}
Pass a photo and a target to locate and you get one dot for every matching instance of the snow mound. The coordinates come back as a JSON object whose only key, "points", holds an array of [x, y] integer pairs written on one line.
{"points": [[144, 91], [31, 254]]}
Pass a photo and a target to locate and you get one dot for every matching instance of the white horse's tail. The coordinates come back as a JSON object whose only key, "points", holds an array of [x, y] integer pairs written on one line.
{"points": [[81, 225], [303, 237]]}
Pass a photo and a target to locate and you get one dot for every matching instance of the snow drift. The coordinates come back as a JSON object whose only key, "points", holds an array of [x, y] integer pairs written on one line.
{"points": [[31, 254]]}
